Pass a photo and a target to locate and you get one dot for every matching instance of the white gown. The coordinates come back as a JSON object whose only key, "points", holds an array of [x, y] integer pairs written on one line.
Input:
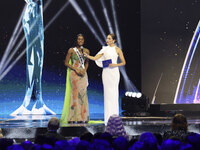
{"points": [[110, 78]]}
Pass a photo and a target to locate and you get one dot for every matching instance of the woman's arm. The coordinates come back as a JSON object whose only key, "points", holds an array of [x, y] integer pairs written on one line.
{"points": [[70, 51], [121, 56], [97, 56], [87, 61]]}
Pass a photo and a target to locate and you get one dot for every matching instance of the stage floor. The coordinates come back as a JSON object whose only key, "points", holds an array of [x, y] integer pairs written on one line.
{"points": [[27, 127]]}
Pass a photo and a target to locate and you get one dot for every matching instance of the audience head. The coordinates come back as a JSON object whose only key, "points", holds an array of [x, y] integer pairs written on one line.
{"points": [[194, 140], [53, 124], [120, 143], [137, 146], [179, 122], [74, 141], [27, 145], [186, 146], [115, 127], [170, 145], [62, 145], [47, 147], [100, 144], [149, 141], [15, 147]]}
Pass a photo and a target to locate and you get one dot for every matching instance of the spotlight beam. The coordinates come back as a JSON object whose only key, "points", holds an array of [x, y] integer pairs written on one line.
{"points": [[12, 39], [2, 75], [83, 16], [107, 17], [95, 18], [8, 59], [116, 24]]}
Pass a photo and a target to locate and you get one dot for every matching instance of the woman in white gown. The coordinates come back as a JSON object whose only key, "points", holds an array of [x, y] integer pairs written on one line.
{"points": [[110, 75]]}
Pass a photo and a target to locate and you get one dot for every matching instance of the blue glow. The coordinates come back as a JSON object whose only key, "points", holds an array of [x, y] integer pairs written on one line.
{"points": [[188, 86]]}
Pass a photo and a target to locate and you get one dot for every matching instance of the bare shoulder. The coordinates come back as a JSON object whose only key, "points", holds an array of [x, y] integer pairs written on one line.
{"points": [[118, 49], [70, 50]]}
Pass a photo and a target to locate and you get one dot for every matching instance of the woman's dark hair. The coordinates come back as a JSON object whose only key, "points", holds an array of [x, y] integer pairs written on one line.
{"points": [[179, 122], [113, 36]]}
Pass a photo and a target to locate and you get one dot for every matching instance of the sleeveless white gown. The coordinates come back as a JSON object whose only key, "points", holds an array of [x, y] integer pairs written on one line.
{"points": [[110, 78]]}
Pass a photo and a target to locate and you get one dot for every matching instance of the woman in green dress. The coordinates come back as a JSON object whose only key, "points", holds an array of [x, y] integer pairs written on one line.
{"points": [[75, 109]]}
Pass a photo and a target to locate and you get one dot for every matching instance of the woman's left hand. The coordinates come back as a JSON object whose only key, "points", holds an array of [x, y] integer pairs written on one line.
{"points": [[113, 65]]}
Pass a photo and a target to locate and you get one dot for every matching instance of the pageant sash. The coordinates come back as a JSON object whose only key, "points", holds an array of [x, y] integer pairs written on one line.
{"points": [[80, 57]]}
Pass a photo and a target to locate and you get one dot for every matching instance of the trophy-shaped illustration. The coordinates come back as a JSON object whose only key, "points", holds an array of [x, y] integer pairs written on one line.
{"points": [[34, 33]]}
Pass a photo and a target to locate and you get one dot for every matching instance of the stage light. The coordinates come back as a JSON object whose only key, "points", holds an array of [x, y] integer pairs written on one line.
{"points": [[129, 94], [138, 95], [133, 94], [126, 94]]}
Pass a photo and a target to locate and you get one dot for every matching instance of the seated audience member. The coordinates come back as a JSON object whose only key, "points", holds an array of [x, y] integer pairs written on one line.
{"points": [[137, 146], [100, 144], [51, 136], [149, 141], [74, 142], [53, 126], [62, 145], [115, 127], [120, 143], [15, 147], [27, 145], [194, 140], [170, 144], [179, 128], [186, 146]]}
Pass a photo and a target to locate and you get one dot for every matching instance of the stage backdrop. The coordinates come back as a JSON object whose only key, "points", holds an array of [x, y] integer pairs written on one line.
{"points": [[170, 50], [62, 22]]}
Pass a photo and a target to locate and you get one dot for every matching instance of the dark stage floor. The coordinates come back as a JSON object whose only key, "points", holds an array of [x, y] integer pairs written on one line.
{"points": [[27, 127]]}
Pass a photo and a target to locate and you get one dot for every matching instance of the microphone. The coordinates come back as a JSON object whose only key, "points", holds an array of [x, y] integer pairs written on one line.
{"points": [[82, 50]]}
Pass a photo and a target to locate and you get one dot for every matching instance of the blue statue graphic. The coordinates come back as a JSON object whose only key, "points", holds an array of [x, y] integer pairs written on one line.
{"points": [[34, 33]]}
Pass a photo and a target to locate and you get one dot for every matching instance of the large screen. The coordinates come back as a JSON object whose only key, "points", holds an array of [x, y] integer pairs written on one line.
{"points": [[170, 50]]}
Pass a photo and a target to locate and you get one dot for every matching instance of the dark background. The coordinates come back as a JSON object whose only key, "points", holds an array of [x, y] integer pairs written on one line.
{"points": [[167, 28]]}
